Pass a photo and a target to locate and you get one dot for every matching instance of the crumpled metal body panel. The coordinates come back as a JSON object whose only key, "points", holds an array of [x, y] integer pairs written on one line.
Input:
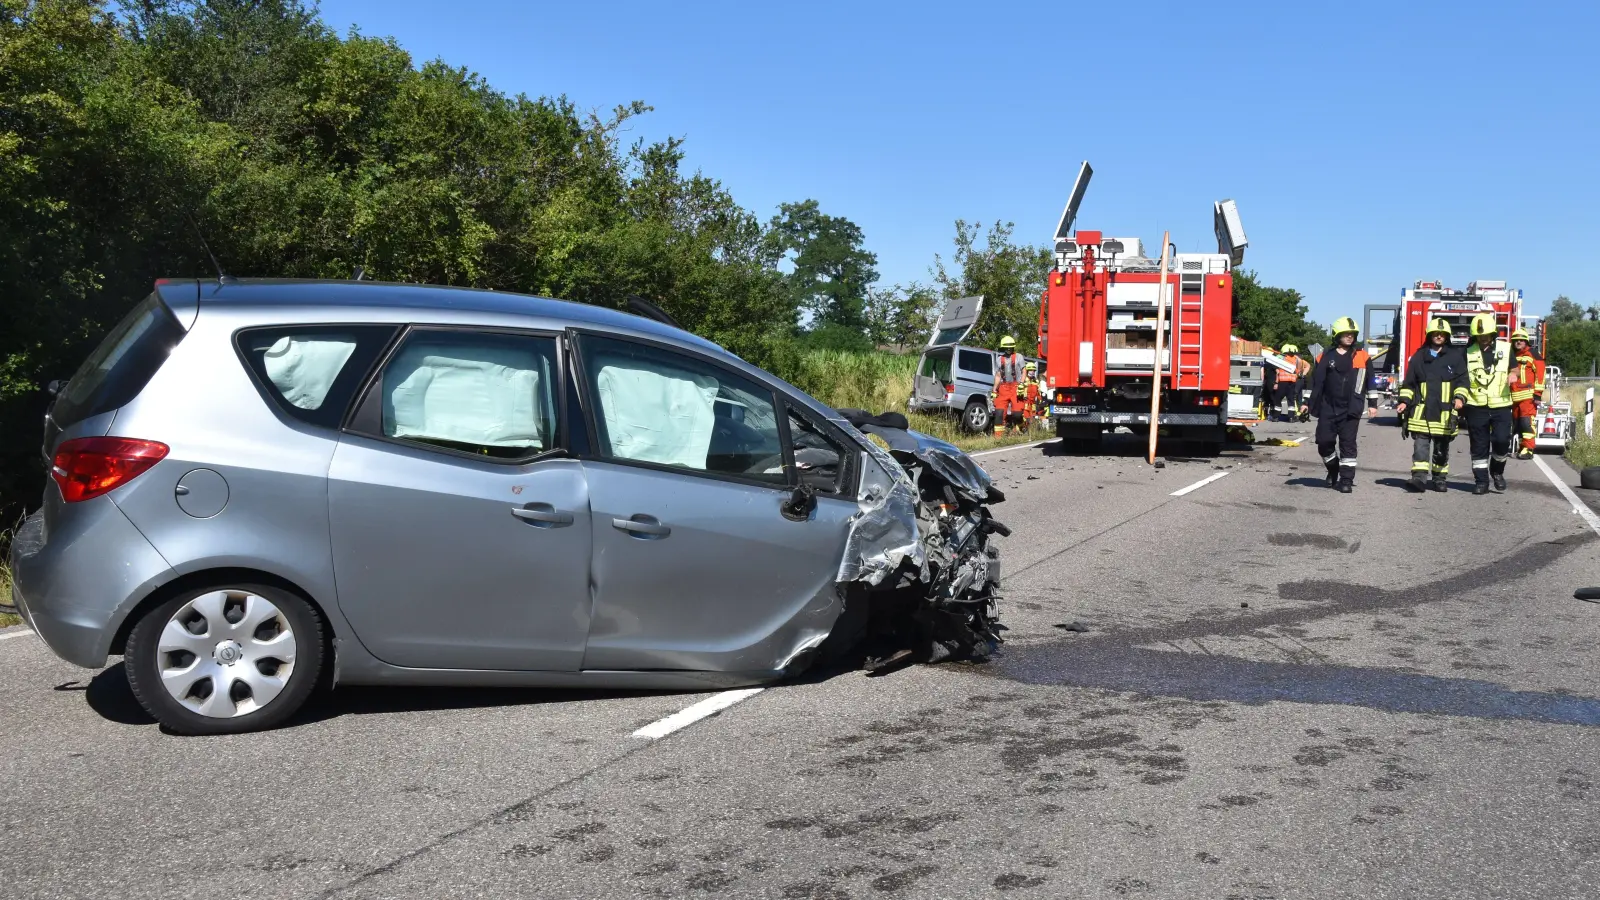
{"points": [[885, 532], [952, 464]]}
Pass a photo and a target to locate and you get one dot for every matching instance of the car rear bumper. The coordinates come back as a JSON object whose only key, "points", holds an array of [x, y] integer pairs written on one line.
{"points": [[75, 586], [1120, 418]]}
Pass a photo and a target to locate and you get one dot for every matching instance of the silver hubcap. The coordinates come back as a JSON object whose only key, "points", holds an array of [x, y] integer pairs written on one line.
{"points": [[226, 653]]}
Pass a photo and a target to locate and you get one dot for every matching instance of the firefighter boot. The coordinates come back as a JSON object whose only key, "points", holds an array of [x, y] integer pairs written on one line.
{"points": [[1418, 483], [1347, 479], [1497, 473], [1439, 484], [1333, 470], [1480, 481]]}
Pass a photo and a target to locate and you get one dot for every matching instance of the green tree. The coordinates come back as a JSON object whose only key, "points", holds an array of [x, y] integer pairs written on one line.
{"points": [[1563, 311], [901, 316], [1010, 276], [832, 269], [1272, 315], [301, 153], [1574, 346]]}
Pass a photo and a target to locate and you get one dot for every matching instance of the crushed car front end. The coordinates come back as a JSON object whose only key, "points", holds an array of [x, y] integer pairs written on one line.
{"points": [[920, 576]]}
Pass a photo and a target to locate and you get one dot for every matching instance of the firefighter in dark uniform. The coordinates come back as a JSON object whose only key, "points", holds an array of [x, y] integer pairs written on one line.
{"points": [[1431, 398], [1488, 404], [1338, 400]]}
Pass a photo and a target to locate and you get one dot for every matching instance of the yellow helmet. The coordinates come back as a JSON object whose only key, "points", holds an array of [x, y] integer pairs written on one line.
{"points": [[1008, 343], [1030, 368], [1345, 325], [1436, 326], [1290, 348], [1482, 324], [1521, 334]]}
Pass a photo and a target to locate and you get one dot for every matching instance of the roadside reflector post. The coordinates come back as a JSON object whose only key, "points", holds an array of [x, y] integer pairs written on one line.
{"points": [[1588, 412], [1161, 327]]}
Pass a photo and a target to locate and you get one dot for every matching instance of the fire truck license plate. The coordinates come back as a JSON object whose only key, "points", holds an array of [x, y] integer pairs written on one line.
{"points": [[1067, 410]]}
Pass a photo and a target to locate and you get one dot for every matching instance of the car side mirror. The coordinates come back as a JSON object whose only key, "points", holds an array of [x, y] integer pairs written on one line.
{"points": [[801, 503], [54, 387]]}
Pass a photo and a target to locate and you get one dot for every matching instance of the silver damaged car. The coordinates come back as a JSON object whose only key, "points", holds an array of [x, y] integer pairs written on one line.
{"points": [[257, 487]]}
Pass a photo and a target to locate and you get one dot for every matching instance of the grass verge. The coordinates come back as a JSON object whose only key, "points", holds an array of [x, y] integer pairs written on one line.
{"points": [[6, 619], [1584, 451], [879, 382]]}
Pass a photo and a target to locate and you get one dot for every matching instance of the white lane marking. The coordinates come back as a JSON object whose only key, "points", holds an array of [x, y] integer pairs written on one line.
{"points": [[1009, 449], [1198, 484], [692, 714], [1578, 506], [13, 634]]}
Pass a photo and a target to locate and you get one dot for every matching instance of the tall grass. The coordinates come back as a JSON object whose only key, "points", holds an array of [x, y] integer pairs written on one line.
{"points": [[880, 382], [6, 619], [1584, 451]]}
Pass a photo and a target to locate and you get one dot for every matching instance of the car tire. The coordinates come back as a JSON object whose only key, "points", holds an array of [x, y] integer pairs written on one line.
{"points": [[182, 651], [977, 417]]}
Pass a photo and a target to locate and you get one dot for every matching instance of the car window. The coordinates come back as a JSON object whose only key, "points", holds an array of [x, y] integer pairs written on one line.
{"points": [[311, 372], [818, 459], [483, 393], [974, 361], [124, 362], [658, 406], [936, 365]]}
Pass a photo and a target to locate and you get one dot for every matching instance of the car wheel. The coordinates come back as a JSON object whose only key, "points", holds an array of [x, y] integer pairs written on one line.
{"points": [[976, 417], [227, 659]]}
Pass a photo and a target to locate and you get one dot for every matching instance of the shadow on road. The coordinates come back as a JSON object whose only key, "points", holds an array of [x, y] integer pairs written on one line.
{"points": [[108, 695]]}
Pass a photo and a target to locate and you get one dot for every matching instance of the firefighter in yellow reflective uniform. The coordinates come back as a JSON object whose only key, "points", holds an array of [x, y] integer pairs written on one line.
{"points": [[1488, 404], [1431, 399]]}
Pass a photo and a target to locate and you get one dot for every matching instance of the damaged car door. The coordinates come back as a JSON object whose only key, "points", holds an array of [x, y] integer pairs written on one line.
{"points": [[710, 551]]}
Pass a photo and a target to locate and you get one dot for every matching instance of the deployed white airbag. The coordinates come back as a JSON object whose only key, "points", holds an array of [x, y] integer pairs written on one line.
{"points": [[432, 392], [656, 413], [303, 369]]}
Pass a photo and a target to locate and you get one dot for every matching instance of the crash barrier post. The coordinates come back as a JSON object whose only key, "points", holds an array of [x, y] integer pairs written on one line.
{"points": [[1588, 412]]}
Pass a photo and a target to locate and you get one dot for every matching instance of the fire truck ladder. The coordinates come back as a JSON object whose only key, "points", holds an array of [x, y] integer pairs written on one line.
{"points": [[1188, 333]]}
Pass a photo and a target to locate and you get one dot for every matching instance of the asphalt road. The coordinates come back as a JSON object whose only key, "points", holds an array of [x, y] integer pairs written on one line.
{"points": [[1281, 692]]}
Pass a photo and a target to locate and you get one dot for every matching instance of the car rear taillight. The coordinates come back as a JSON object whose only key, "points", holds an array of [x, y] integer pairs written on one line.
{"points": [[85, 468]]}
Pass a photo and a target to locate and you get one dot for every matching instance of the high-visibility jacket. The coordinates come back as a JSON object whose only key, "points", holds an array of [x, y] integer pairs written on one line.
{"points": [[1432, 385], [1008, 368], [1489, 382], [1301, 368], [1527, 378]]}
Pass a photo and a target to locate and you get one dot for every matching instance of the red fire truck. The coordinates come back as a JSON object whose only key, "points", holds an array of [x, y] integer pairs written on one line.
{"points": [[1407, 323], [1097, 332]]}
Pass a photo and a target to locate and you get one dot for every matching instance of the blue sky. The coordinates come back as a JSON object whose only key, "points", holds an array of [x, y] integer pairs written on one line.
{"points": [[1367, 144]]}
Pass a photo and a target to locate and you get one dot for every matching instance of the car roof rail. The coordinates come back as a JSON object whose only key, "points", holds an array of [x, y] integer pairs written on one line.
{"points": [[639, 306]]}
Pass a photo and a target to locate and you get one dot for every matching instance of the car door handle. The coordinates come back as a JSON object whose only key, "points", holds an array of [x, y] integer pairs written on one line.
{"points": [[642, 526], [543, 515]]}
